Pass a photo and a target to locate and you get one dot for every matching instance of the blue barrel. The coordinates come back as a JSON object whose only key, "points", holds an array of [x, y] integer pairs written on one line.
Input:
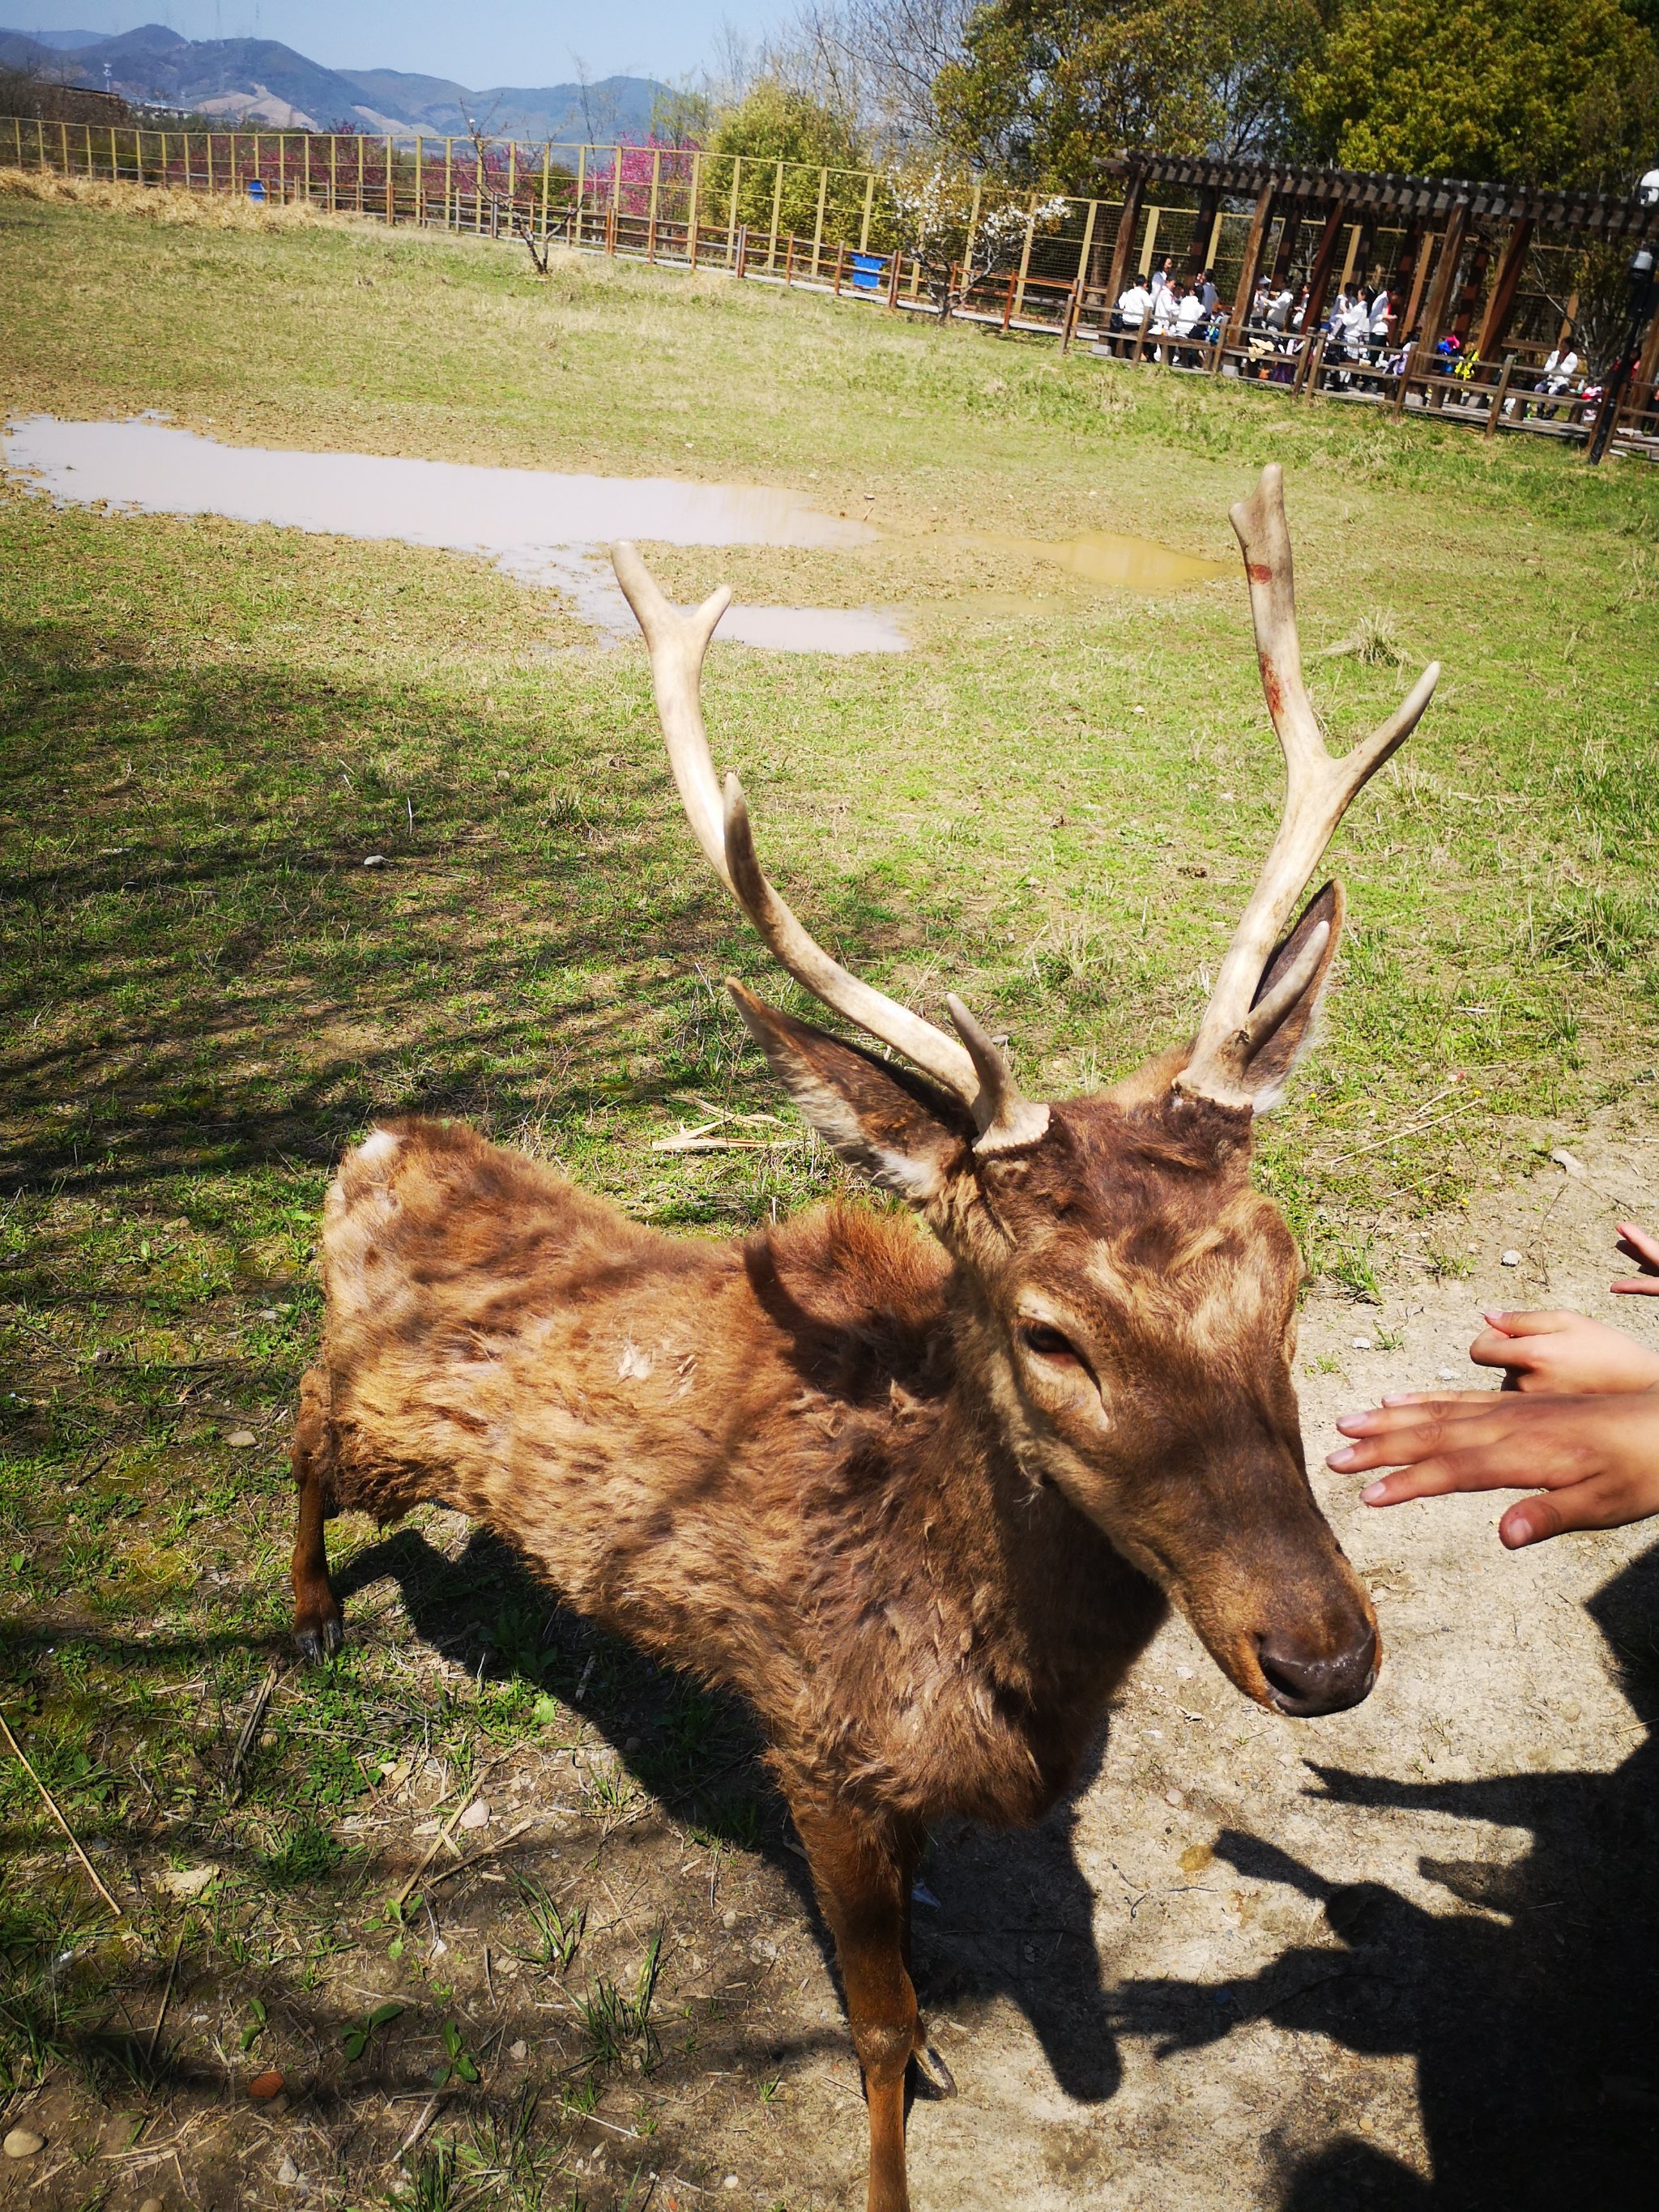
{"points": [[256, 188], [866, 272]]}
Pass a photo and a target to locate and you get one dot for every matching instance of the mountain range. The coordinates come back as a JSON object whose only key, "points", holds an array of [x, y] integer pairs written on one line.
{"points": [[260, 81]]}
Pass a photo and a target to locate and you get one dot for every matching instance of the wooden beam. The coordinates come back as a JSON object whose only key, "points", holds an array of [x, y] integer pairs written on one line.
{"points": [[1495, 322], [1319, 284], [1287, 239], [1253, 243], [1127, 223], [1445, 269], [1468, 292], [1198, 252]]}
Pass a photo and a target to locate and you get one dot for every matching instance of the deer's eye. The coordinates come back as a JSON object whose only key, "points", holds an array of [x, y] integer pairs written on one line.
{"points": [[1047, 1343]]}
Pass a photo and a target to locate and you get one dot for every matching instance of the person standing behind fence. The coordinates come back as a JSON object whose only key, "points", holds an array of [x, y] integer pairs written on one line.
{"points": [[1381, 322], [1163, 274]]}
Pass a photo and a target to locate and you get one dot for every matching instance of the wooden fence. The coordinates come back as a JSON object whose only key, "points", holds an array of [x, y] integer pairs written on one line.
{"points": [[834, 231]]}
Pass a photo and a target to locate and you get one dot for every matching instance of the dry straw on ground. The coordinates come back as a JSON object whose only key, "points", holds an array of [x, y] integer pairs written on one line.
{"points": [[163, 202]]}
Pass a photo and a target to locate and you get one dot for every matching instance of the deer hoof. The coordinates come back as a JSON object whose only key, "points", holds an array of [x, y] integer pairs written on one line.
{"points": [[319, 1640], [934, 2072]]}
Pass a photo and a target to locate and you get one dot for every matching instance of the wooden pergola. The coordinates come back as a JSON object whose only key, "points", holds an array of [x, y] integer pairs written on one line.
{"points": [[1439, 215]]}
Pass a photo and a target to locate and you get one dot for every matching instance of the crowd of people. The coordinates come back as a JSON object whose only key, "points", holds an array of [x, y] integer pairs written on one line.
{"points": [[1174, 317], [1176, 314]]}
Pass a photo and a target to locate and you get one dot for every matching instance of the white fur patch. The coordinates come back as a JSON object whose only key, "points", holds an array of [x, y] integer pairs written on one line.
{"points": [[633, 1362], [380, 1146]]}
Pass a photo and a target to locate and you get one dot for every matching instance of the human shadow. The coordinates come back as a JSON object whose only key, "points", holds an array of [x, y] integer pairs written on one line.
{"points": [[1005, 1914], [1529, 2007]]}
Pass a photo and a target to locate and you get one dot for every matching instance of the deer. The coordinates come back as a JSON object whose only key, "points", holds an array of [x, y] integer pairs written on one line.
{"points": [[921, 1501]]}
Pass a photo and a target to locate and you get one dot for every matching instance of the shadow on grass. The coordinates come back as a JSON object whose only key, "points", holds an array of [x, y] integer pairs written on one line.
{"points": [[1530, 2013], [1015, 1914]]}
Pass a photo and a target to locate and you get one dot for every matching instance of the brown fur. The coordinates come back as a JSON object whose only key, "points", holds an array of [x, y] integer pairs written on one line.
{"points": [[824, 1467]]}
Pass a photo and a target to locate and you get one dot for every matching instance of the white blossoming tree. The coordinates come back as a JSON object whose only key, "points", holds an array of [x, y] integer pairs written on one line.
{"points": [[955, 244]]}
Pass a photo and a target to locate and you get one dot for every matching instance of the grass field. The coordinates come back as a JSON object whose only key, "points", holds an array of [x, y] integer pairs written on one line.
{"points": [[1057, 810]]}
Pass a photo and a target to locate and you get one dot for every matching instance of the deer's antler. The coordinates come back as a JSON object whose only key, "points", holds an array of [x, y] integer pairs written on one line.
{"points": [[1318, 793], [973, 1071]]}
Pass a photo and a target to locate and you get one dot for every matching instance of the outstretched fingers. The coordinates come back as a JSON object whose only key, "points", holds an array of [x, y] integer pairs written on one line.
{"points": [[1642, 1246]]}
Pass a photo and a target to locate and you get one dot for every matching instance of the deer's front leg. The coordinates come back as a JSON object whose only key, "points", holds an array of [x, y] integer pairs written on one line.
{"points": [[317, 1625], [861, 1872]]}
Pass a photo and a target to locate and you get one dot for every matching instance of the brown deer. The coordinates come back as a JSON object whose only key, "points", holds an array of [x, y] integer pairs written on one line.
{"points": [[921, 1504]]}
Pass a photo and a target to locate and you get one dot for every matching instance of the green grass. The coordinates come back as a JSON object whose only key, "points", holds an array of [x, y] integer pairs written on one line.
{"points": [[1057, 811]]}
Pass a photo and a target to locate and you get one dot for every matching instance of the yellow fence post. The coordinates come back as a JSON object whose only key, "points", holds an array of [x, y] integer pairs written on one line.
{"points": [[581, 193], [818, 234], [1083, 255], [547, 164], [391, 205], [449, 183], [1026, 257], [777, 211], [656, 187], [869, 209], [420, 177], [616, 197], [512, 169], [62, 134], [696, 193], [972, 235], [731, 213], [89, 132]]}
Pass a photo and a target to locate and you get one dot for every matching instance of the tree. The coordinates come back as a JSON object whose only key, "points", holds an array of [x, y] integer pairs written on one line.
{"points": [[1530, 91], [681, 118], [1048, 91], [954, 243], [777, 122]]}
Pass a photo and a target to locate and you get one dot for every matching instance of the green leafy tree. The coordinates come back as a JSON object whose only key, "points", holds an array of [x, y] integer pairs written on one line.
{"points": [[1530, 91], [776, 122], [1047, 91]]}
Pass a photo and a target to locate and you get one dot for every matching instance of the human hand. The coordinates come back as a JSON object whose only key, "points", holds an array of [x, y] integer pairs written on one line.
{"points": [[1643, 1248], [1596, 1457], [1560, 1353]]}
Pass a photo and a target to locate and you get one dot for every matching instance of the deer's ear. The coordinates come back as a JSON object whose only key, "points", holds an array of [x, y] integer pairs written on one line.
{"points": [[1268, 1068], [906, 1134]]}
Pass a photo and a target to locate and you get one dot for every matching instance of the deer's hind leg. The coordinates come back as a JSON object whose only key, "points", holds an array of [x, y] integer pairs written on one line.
{"points": [[318, 1629], [862, 1872]]}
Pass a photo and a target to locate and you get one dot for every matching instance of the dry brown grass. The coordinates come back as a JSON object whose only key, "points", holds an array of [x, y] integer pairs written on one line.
{"points": [[165, 203]]}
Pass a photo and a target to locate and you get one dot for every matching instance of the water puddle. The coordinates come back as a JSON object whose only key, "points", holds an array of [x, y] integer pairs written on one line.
{"points": [[538, 527], [1108, 560]]}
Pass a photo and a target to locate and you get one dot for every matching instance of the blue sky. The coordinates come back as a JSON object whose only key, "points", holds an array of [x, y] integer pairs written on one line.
{"points": [[498, 42]]}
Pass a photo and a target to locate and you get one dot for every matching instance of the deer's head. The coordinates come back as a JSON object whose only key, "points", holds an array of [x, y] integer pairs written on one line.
{"points": [[1129, 1297]]}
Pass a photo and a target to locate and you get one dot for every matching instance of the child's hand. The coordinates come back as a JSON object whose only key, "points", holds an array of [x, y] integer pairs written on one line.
{"points": [[1557, 1354], [1643, 1248], [1596, 1457]]}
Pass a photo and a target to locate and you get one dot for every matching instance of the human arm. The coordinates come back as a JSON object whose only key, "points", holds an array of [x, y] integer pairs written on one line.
{"points": [[1594, 1459], [1564, 1354]]}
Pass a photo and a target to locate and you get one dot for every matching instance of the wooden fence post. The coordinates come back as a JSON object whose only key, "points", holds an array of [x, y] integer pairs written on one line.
{"points": [[1129, 218], [1025, 259], [818, 234], [1496, 417], [1255, 238], [1445, 270]]}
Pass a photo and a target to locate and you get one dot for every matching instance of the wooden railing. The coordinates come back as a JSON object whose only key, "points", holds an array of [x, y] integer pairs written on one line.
{"points": [[735, 214]]}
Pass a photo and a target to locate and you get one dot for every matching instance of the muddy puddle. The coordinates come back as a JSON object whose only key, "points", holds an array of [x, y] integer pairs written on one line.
{"points": [[539, 527], [1106, 559]]}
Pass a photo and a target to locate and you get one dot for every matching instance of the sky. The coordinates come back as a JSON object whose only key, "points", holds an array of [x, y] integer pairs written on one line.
{"points": [[494, 42]]}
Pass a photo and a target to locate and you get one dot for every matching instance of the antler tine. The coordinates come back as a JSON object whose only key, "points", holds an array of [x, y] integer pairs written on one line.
{"points": [[973, 1072], [1318, 791]]}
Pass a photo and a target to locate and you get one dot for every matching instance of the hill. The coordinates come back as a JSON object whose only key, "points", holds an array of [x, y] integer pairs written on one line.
{"points": [[263, 81]]}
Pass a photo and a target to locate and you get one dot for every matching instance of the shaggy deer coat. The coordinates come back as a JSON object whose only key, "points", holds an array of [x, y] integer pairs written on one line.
{"points": [[920, 1500]]}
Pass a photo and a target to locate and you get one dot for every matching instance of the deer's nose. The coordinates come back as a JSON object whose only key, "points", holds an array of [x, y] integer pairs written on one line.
{"points": [[1304, 1682]]}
